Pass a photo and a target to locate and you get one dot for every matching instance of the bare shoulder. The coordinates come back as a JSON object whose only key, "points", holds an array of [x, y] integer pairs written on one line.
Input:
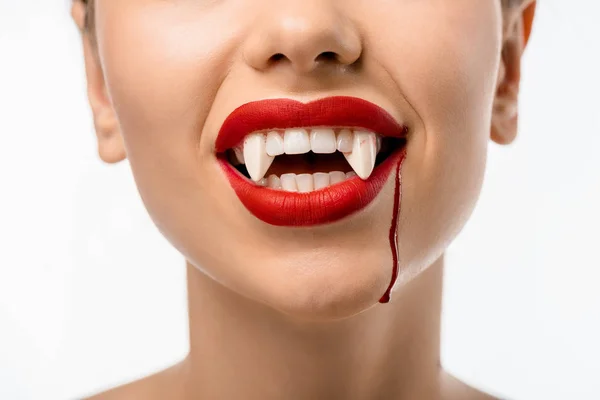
{"points": [[161, 385], [454, 389], [168, 384]]}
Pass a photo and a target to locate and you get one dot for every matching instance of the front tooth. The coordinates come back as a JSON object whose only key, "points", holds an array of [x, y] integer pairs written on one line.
{"points": [[305, 183], [364, 152], [296, 141], [344, 141], [274, 144], [256, 157], [322, 141], [337, 177], [274, 182], [321, 180], [288, 182]]}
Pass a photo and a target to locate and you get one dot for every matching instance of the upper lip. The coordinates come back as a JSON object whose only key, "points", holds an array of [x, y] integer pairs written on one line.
{"points": [[338, 111]]}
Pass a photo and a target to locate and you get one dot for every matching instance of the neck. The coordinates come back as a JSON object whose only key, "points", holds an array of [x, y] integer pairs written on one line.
{"points": [[242, 349]]}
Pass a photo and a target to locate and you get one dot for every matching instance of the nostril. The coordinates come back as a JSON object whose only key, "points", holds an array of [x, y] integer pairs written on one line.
{"points": [[277, 57], [304, 61], [327, 56]]}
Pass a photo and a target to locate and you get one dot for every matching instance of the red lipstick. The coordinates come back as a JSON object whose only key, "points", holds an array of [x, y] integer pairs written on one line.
{"points": [[330, 204], [339, 111]]}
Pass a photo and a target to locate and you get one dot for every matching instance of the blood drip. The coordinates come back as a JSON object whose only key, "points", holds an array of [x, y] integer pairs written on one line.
{"points": [[394, 236]]}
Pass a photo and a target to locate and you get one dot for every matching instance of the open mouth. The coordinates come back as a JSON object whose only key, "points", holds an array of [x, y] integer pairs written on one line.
{"points": [[310, 159], [305, 164]]}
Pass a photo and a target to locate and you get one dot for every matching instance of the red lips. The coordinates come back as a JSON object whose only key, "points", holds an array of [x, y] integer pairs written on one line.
{"points": [[280, 208]]}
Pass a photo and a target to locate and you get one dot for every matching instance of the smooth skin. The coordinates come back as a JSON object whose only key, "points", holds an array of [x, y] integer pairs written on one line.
{"points": [[293, 313]]}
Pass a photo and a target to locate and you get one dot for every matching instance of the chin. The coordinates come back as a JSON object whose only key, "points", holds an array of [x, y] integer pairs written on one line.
{"points": [[325, 285]]}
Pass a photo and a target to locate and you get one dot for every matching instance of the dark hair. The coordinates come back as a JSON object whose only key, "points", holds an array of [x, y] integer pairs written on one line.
{"points": [[511, 3], [89, 14]]}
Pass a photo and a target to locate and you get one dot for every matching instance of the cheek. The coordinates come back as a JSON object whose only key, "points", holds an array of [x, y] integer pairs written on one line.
{"points": [[162, 71], [445, 63]]}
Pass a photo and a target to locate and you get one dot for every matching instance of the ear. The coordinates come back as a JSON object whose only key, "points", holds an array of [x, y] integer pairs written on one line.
{"points": [[111, 147], [516, 33]]}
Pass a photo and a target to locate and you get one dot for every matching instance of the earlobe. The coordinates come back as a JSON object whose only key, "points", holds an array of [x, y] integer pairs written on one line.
{"points": [[111, 148], [505, 115], [78, 14]]}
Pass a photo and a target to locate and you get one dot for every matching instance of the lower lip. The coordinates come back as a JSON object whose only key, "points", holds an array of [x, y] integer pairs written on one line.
{"points": [[280, 208]]}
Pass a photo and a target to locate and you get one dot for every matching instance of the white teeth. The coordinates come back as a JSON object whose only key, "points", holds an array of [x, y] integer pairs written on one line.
{"points": [[336, 177], [322, 141], [364, 152], [288, 182], [274, 182], [360, 148], [274, 144], [321, 180], [344, 141], [305, 183], [296, 141], [255, 155]]}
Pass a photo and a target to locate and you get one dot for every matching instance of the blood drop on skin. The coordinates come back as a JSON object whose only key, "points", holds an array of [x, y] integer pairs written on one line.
{"points": [[393, 237]]}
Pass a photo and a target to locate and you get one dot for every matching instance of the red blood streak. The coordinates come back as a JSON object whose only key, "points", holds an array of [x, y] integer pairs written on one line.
{"points": [[394, 234]]}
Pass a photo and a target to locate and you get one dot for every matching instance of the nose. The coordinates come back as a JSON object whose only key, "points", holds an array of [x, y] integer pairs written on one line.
{"points": [[305, 34]]}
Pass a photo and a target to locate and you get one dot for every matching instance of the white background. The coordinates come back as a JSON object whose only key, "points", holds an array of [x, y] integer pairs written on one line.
{"points": [[92, 296]]}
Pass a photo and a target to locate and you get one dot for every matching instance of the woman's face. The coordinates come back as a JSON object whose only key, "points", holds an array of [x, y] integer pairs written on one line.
{"points": [[174, 71]]}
